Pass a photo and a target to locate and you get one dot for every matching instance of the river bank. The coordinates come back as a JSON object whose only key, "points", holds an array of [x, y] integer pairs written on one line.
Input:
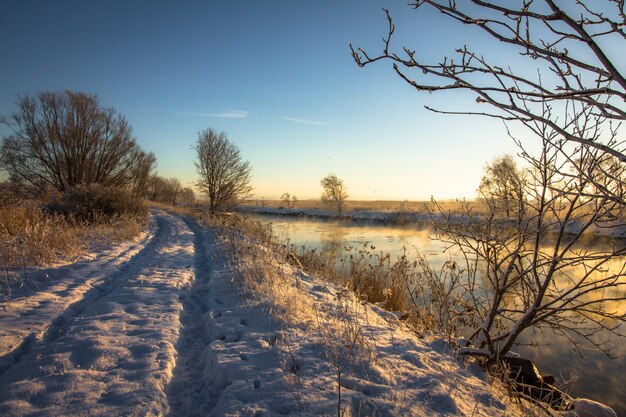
{"points": [[400, 217], [583, 373]]}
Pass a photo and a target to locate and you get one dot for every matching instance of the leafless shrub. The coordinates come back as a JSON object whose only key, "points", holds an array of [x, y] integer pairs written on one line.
{"points": [[537, 272], [568, 47], [94, 204], [289, 200], [60, 140]]}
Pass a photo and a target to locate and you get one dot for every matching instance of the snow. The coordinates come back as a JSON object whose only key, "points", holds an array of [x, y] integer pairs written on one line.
{"points": [[582, 407], [171, 324], [49, 291]]}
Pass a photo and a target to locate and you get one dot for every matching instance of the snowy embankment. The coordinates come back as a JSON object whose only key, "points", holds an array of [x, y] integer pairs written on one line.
{"points": [[406, 217], [171, 325]]}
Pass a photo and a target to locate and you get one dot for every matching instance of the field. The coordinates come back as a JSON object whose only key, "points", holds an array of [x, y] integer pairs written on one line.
{"points": [[374, 205]]}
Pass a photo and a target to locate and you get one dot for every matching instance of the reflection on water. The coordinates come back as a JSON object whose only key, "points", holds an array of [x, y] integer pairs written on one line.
{"points": [[591, 375], [322, 233], [586, 373]]}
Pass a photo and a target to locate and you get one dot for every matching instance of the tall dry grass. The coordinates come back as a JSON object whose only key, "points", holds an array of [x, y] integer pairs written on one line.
{"points": [[429, 299], [35, 232], [29, 236], [371, 275]]}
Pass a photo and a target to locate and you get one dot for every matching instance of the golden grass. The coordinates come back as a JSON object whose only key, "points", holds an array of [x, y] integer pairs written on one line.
{"points": [[29, 236]]}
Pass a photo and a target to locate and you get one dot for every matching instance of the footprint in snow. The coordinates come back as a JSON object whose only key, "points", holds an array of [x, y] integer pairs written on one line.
{"points": [[235, 337]]}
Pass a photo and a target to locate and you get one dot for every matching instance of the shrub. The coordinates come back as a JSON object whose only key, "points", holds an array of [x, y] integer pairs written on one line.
{"points": [[94, 203]]}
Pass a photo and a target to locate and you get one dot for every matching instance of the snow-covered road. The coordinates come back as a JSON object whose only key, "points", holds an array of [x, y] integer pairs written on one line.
{"points": [[111, 350]]}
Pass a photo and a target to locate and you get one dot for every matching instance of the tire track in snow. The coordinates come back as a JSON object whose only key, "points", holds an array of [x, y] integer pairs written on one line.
{"points": [[198, 380], [61, 325], [99, 286], [29, 313], [112, 352]]}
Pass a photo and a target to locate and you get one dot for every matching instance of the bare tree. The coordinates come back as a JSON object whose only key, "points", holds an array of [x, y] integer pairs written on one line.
{"points": [[164, 190], [156, 188], [289, 200], [173, 190], [568, 46], [224, 175], [141, 174], [537, 272], [503, 185], [188, 196], [334, 192], [63, 139]]}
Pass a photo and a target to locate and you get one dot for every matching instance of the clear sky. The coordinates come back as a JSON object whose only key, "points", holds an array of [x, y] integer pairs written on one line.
{"points": [[276, 76]]}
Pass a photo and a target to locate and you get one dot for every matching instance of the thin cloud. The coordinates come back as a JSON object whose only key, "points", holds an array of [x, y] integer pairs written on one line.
{"points": [[231, 114], [226, 114], [304, 121]]}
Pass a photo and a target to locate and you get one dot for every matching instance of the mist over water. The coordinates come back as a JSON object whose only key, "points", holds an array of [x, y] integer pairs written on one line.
{"points": [[586, 373]]}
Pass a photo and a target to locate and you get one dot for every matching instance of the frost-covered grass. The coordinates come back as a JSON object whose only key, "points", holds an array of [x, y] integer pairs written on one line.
{"points": [[428, 299], [28, 236]]}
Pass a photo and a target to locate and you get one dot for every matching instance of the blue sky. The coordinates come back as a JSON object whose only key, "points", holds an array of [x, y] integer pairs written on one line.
{"points": [[276, 76]]}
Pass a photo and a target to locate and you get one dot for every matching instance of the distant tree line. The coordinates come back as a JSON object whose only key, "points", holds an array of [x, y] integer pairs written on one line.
{"points": [[169, 191]]}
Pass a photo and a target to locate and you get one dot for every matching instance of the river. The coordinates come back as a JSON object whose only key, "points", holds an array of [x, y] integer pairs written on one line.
{"points": [[586, 373]]}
